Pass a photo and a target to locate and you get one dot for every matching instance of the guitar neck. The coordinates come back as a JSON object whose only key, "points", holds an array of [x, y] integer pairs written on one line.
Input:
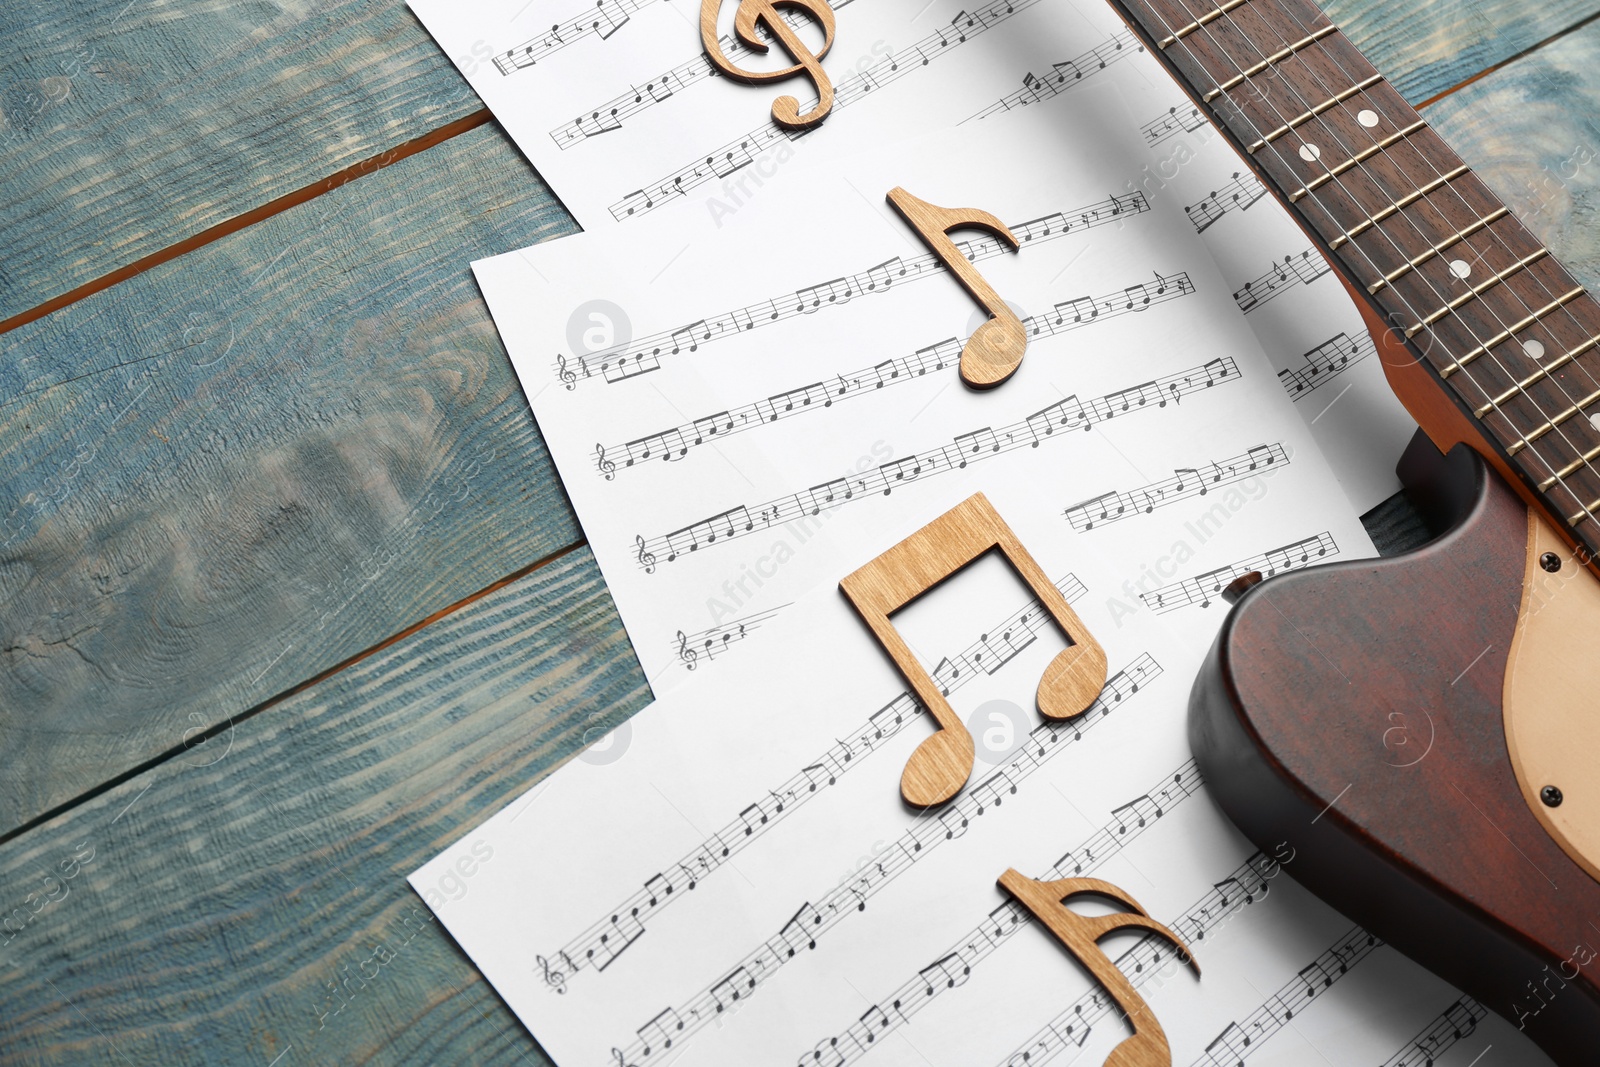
{"points": [[1511, 342]]}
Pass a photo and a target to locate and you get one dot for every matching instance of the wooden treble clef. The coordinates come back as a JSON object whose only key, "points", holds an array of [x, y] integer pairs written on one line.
{"points": [[764, 13]]}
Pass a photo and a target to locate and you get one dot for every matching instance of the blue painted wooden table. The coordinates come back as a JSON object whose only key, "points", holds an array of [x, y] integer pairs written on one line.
{"points": [[290, 595]]}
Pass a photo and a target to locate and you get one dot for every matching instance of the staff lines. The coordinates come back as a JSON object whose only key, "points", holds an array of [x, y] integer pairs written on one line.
{"points": [[671, 1026], [620, 362], [599, 945], [1203, 587], [1326, 362], [1186, 482], [744, 151], [953, 968], [1037, 88], [973, 447], [1303, 269], [674, 443]]}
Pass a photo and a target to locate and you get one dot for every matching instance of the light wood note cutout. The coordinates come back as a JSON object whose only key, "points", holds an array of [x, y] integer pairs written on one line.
{"points": [[1081, 934], [941, 765], [749, 14], [994, 351]]}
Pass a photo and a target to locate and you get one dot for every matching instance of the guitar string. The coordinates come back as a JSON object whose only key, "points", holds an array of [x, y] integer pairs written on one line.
{"points": [[1331, 175], [1452, 311], [1501, 278]]}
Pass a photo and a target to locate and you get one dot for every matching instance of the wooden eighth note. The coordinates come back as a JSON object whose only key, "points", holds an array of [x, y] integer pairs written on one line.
{"points": [[1081, 934], [941, 765], [994, 351], [750, 14]]}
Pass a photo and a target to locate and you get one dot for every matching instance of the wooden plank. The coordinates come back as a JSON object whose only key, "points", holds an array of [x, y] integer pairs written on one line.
{"points": [[243, 467], [127, 128], [1425, 49], [1532, 132], [232, 890]]}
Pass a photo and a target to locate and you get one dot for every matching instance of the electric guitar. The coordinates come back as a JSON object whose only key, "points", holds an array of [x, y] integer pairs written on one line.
{"points": [[1423, 731]]}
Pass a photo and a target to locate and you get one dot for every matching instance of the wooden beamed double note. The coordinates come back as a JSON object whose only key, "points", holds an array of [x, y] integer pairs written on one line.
{"points": [[764, 14], [1081, 934], [994, 351], [942, 763]]}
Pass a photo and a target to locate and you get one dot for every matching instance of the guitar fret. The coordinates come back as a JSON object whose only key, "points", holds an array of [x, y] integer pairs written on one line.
{"points": [[1404, 202], [1586, 513], [1439, 248], [1477, 290], [1358, 159], [1307, 116], [1177, 35], [1554, 305], [1540, 375], [1276, 57], [1581, 461]]}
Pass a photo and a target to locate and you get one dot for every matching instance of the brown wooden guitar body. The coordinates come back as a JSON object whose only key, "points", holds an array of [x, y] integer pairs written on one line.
{"points": [[1354, 711]]}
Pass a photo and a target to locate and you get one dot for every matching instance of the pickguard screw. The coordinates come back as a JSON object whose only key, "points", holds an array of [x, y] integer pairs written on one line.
{"points": [[1551, 796], [1552, 563]]}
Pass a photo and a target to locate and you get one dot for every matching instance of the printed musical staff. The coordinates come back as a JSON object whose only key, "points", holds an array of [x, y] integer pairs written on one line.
{"points": [[674, 443], [1459, 1021], [707, 645], [1069, 1030], [1325, 362], [608, 116], [931, 830], [1066, 74], [1186, 482], [1302, 269], [747, 149], [645, 354], [954, 967], [604, 940], [1238, 1040], [964, 449], [1239, 194], [1185, 119], [607, 18], [1205, 588]]}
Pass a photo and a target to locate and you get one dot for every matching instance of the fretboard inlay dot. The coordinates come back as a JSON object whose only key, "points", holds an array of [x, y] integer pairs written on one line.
{"points": [[1367, 117], [1460, 268], [1533, 349], [1310, 152]]}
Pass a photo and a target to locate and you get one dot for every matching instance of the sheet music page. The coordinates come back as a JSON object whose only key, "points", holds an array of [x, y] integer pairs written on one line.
{"points": [[626, 119], [759, 397], [1314, 337], [731, 878]]}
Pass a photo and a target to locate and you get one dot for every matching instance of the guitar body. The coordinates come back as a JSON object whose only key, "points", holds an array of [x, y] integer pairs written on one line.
{"points": [[1356, 711]]}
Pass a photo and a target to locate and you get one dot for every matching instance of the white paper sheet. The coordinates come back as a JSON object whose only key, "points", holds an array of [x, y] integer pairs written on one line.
{"points": [[618, 109], [737, 444], [735, 880]]}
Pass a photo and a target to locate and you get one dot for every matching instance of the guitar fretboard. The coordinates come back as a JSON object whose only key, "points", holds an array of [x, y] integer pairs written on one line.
{"points": [[1511, 336]]}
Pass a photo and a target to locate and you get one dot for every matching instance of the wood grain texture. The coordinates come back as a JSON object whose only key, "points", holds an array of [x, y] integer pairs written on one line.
{"points": [[126, 127], [1425, 49], [995, 349], [1532, 133], [238, 469], [232, 888], [941, 764]]}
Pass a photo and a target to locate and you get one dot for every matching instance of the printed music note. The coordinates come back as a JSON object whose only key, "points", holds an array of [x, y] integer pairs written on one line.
{"points": [[941, 764], [1080, 935], [752, 21], [995, 349]]}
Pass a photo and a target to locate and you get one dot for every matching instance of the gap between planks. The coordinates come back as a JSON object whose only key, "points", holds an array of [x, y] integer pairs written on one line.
{"points": [[278, 698], [336, 180], [1506, 62]]}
